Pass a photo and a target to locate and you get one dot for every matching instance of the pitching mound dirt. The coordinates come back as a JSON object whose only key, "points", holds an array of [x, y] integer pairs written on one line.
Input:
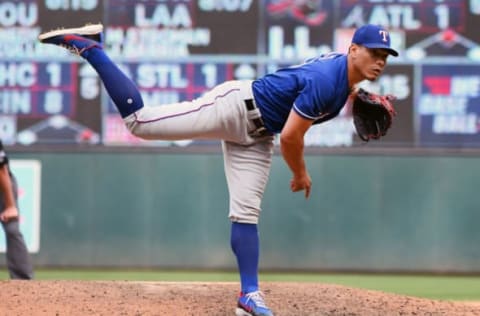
{"points": [[82, 298]]}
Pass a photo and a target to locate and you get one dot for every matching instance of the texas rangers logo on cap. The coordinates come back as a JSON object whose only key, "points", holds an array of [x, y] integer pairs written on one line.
{"points": [[373, 36], [385, 36]]}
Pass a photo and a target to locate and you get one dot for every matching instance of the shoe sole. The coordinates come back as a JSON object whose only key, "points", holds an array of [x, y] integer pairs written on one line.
{"points": [[90, 29], [241, 312]]}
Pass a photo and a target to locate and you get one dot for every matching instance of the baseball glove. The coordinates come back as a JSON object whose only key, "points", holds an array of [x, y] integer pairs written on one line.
{"points": [[372, 114]]}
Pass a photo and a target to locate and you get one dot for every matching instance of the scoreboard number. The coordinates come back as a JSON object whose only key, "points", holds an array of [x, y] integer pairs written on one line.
{"points": [[75, 5], [225, 5]]}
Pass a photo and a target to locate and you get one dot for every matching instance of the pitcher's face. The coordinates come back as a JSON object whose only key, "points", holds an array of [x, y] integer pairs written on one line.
{"points": [[369, 62]]}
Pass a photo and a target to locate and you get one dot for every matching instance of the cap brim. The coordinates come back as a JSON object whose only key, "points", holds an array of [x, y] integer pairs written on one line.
{"points": [[391, 51]]}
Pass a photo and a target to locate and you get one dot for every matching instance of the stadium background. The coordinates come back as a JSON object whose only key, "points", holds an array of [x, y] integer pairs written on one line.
{"points": [[405, 204]]}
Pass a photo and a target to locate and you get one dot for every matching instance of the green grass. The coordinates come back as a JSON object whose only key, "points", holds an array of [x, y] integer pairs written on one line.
{"points": [[434, 287]]}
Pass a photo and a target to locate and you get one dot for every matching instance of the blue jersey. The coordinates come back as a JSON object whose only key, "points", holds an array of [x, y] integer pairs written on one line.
{"points": [[317, 90]]}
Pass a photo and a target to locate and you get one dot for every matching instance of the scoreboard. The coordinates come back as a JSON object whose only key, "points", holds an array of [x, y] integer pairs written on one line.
{"points": [[177, 49]]}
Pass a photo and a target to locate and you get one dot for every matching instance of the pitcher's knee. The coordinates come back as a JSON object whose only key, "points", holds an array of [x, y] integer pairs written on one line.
{"points": [[136, 129], [248, 219], [244, 214]]}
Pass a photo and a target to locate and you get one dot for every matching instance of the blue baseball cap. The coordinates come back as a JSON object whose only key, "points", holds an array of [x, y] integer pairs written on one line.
{"points": [[373, 36]]}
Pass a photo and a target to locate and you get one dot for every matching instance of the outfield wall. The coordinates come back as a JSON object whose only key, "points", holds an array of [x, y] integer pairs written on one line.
{"points": [[163, 210]]}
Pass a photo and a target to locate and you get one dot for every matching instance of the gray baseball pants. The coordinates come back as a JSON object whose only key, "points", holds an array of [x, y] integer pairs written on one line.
{"points": [[220, 114], [19, 264], [18, 260]]}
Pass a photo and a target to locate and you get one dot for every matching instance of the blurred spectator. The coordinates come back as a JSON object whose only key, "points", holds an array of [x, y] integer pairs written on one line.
{"points": [[18, 259]]}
